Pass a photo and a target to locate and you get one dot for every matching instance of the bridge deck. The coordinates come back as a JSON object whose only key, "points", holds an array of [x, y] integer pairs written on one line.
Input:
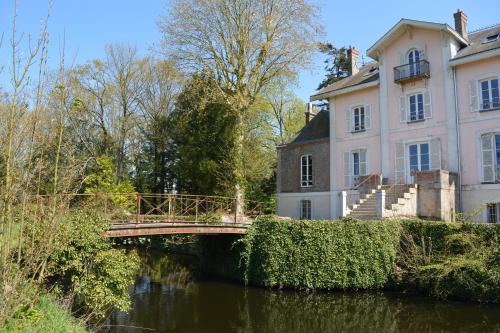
{"points": [[130, 229]]}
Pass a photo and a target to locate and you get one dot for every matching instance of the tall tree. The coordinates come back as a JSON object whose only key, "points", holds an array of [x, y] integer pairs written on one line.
{"points": [[243, 44], [203, 139], [336, 64], [161, 85]]}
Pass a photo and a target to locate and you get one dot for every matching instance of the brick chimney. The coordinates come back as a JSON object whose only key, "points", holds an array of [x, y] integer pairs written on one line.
{"points": [[461, 23], [352, 56]]}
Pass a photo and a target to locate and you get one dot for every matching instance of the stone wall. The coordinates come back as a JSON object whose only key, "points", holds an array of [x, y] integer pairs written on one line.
{"points": [[437, 194], [288, 176]]}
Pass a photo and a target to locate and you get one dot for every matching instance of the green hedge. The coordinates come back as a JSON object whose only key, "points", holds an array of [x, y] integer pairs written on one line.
{"points": [[445, 260], [320, 254]]}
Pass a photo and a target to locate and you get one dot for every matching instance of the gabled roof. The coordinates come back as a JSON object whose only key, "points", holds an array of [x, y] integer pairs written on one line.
{"points": [[402, 26], [318, 128], [478, 44], [366, 76]]}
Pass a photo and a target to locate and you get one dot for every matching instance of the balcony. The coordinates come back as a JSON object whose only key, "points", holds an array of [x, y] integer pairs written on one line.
{"points": [[411, 72]]}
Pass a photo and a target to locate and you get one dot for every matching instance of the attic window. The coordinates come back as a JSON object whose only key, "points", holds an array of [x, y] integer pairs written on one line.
{"points": [[372, 70], [491, 38]]}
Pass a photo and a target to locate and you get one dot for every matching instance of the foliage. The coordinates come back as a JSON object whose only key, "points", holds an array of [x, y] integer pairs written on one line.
{"points": [[89, 267], [102, 180], [320, 254], [336, 65], [204, 139], [46, 316], [451, 260]]}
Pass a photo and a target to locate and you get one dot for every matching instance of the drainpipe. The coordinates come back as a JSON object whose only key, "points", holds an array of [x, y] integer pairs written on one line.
{"points": [[458, 141]]}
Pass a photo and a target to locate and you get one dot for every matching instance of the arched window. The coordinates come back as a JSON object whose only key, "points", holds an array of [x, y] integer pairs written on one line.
{"points": [[414, 62]]}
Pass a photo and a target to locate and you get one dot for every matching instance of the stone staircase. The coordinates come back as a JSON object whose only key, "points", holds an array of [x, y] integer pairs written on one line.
{"points": [[400, 200]]}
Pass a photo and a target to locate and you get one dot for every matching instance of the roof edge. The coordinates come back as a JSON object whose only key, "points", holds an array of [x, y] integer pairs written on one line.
{"points": [[342, 91], [475, 57], [422, 24]]}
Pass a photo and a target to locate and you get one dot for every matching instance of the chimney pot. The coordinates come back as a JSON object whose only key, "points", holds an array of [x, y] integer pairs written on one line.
{"points": [[352, 55], [461, 23], [309, 112]]}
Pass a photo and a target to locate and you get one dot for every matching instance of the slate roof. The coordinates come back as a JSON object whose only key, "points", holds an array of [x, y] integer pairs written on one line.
{"points": [[367, 73], [477, 45], [318, 128]]}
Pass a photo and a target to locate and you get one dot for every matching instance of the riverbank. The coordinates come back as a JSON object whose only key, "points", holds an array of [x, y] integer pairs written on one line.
{"points": [[443, 260], [46, 316]]}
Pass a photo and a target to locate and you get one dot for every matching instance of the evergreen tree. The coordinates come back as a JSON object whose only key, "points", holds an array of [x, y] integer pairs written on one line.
{"points": [[336, 64]]}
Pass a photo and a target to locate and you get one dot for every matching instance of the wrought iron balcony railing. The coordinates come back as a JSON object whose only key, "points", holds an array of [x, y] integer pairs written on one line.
{"points": [[412, 71]]}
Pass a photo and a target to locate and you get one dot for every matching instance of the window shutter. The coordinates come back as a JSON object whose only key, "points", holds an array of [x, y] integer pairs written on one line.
{"points": [[362, 162], [487, 158], [402, 108], [399, 166], [347, 170], [348, 119], [435, 154], [403, 59], [427, 105], [474, 103], [368, 116], [421, 53]]}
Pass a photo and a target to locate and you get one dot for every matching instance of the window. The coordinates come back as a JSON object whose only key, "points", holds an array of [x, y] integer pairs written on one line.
{"points": [[305, 209], [416, 107], [419, 157], [358, 165], [414, 62], [489, 94], [358, 117], [493, 212], [491, 38], [306, 171], [490, 157]]}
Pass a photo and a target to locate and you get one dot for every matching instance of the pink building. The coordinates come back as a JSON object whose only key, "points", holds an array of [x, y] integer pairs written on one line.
{"points": [[416, 132]]}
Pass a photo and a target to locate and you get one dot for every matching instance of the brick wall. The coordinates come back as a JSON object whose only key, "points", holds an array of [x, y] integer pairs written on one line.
{"points": [[288, 177]]}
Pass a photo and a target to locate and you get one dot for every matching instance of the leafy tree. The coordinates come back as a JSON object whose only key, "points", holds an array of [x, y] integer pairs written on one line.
{"points": [[203, 125], [102, 180], [336, 64], [244, 45]]}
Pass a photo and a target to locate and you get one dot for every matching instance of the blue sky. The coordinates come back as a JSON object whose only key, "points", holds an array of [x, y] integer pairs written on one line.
{"points": [[91, 24]]}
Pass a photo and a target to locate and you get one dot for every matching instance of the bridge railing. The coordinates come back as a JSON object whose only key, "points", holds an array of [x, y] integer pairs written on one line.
{"points": [[151, 207]]}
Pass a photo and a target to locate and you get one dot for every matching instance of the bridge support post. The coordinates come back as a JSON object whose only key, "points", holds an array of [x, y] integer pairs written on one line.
{"points": [[138, 208]]}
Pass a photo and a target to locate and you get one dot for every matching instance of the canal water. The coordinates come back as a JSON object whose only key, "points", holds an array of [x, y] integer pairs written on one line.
{"points": [[169, 297]]}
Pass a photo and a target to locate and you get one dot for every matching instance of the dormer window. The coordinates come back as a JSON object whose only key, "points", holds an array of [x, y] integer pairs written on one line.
{"points": [[491, 38]]}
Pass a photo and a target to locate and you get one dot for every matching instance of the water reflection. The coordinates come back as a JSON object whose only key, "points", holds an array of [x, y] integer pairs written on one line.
{"points": [[167, 298]]}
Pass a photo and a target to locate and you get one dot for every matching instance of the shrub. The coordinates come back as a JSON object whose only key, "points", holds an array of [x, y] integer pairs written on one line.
{"points": [[461, 243], [89, 267], [320, 254]]}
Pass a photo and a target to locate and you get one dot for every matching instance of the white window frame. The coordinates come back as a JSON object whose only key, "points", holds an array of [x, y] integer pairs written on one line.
{"points": [[308, 180], [301, 207], [491, 102], [407, 157], [416, 65], [496, 166], [351, 164], [408, 106], [362, 125]]}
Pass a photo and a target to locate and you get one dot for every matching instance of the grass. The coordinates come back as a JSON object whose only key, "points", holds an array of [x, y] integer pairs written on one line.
{"points": [[46, 316]]}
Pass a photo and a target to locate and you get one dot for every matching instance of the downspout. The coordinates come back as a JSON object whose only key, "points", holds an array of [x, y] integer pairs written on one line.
{"points": [[458, 141]]}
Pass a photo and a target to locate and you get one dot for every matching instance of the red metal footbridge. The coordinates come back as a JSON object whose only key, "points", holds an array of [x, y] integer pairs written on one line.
{"points": [[142, 214]]}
